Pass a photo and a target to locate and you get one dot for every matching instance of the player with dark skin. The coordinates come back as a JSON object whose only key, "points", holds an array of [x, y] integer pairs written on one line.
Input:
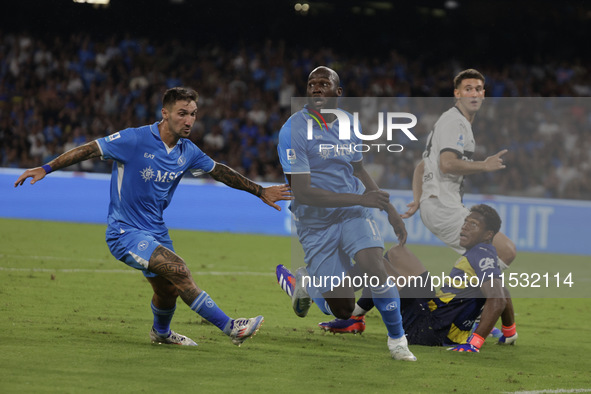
{"points": [[498, 300], [174, 278], [323, 91]]}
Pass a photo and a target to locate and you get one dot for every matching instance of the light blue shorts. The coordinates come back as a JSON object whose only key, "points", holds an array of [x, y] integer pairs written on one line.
{"points": [[329, 251], [135, 247]]}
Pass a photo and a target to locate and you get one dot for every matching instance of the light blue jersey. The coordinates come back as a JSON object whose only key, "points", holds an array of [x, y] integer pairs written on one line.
{"points": [[145, 176], [330, 160]]}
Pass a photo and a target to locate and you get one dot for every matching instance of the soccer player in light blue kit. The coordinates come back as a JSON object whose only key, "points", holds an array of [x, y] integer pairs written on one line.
{"points": [[332, 194], [148, 163]]}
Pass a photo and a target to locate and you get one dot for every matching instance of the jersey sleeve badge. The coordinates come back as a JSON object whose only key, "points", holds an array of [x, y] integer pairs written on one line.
{"points": [[291, 156], [113, 137]]}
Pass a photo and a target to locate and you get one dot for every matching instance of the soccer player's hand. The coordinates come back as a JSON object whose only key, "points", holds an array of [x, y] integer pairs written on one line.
{"points": [[465, 348], [494, 162], [413, 207], [36, 173], [375, 199], [398, 225], [472, 345], [275, 193]]}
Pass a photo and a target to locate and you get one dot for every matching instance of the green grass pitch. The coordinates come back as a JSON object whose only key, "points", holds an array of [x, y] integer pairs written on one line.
{"points": [[73, 319]]}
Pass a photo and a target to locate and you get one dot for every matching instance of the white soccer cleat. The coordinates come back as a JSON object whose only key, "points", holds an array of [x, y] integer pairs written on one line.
{"points": [[300, 299], [242, 329], [399, 349], [172, 339]]}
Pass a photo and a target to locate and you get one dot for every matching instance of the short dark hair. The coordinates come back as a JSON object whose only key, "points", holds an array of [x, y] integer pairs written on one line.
{"points": [[171, 96], [467, 74], [492, 220]]}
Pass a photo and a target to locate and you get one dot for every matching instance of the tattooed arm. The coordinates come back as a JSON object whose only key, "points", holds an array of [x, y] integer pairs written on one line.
{"points": [[223, 173], [269, 195], [73, 156]]}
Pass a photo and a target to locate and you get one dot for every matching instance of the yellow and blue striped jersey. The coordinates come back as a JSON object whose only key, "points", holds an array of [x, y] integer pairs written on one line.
{"points": [[459, 301]]}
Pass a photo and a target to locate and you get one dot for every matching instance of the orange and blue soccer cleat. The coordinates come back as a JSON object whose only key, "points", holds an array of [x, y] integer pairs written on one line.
{"points": [[353, 325], [285, 279]]}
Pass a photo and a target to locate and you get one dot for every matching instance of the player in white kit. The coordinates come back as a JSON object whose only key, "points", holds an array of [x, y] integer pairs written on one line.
{"points": [[437, 180]]}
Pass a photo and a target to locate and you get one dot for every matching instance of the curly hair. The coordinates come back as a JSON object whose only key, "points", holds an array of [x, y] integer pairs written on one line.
{"points": [[492, 220]]}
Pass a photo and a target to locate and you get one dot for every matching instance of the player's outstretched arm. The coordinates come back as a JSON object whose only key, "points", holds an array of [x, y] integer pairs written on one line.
{"points": [[270, 195], [450, 163], [73, 156], [417, 190], [493, 308], [397, 224], [508, 320]]}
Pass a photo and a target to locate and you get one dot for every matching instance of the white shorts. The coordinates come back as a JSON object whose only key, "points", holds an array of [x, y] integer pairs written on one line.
{"points": [[444, 222]]}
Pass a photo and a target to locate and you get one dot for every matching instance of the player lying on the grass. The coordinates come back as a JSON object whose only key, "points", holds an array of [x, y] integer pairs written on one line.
{"points": [[445, 318], [148, 164]]}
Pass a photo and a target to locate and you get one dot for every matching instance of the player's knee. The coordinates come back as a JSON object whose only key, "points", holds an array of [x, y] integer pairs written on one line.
{"points": [[371, 262], [508, 252], [163, 288], [505, 248], [343, 310], [343, 313], [169, 291]]}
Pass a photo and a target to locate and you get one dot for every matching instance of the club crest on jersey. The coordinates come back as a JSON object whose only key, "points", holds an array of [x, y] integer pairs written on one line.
{"points": [[143, 245], [181, 161]]}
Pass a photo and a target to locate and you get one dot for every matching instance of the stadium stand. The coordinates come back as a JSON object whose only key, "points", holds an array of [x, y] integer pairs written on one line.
{"points": [[61, 90]]}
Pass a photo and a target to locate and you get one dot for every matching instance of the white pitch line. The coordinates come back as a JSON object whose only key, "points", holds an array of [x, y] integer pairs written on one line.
{"points": [[557, 391], [112, 271], [17, 256], [129, 271]]}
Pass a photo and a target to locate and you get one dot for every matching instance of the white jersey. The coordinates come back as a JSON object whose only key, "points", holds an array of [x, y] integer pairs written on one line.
{"points": [[452, 132]]}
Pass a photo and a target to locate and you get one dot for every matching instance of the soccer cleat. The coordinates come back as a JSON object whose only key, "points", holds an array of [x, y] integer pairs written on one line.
{"points": [[242, 329], [399, 349], [495, 333], [353, 325], [300, 300], [172, 339], [503, 340], [285, 279]]}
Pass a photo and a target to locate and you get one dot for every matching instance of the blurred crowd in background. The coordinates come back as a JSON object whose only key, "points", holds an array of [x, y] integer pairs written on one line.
{"points": [[59, 92]]}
